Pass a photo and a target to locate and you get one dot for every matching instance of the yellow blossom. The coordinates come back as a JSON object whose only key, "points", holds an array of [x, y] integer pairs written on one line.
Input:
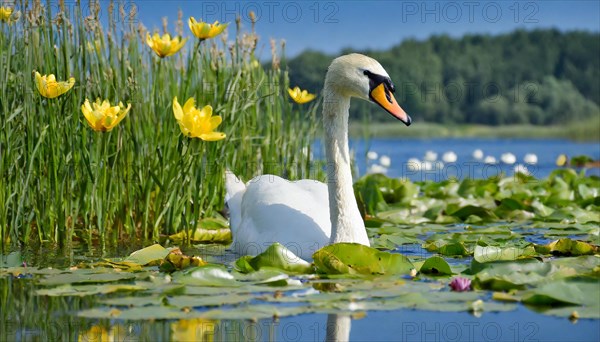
{"points": [[197, 123], [204, 30], [164, 46], [5, 13], [300, 96], [102, 116], [50, 88]]}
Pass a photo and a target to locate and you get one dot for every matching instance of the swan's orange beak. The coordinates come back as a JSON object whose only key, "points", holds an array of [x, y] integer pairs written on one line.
{"points": [[386, 100]]}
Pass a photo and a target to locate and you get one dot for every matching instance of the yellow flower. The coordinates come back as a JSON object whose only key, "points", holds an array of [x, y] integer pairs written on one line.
{"points": [[101, 116], [5, 13], [204, 30], [164, 46], [197, 123], [48, 87], [300, 96]]}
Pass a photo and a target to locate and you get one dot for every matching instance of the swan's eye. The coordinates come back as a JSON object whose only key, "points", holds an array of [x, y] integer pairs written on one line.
{"points": [[375, 80]]}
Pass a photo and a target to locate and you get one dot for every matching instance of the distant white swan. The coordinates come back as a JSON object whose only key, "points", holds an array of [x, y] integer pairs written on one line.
{"points": [[306, 215]]}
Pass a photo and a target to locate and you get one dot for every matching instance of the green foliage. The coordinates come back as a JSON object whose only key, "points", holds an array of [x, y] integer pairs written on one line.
{"points": [[540, 77], [276, 256], [61, 180], [357, 259], [436, 265], [564, 196]]}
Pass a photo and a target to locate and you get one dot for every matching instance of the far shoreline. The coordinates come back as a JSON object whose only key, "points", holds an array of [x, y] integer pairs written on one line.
{"points": [[588, 131]]}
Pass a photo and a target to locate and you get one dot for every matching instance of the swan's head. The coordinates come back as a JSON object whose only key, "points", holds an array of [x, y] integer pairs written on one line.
{"points": [[356, 75]]}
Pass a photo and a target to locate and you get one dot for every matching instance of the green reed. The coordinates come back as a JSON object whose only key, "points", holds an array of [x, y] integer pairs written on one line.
{"points": [[62, 181]]}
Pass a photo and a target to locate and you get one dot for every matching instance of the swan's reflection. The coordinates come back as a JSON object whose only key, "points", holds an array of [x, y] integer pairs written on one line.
{"points": [[338, 328]]}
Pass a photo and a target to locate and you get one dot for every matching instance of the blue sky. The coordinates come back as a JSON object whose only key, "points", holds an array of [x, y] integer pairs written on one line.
{"points": [[330, 26]]}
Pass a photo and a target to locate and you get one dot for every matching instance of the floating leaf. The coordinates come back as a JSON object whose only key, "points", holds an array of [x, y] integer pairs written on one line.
{"points": [[436, 266], [470, 210], [208, 275], [205, 301], [449, 248], [354, 258], [11, 260], [138, 313], [85, 276], [87, 290], [493, 253], [145, 256], [567, 246], [276, 256], [565, 293]]}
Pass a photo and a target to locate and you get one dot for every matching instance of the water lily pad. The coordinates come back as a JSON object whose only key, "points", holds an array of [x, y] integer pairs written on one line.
{"points": [[565, 293], [133, 301], [87, 290], [493, 253], [145, 256], [449, 248], [204, 301], [436, 266], [85, 276], [13, 259], [208, 275], [139, 313], [276, 256], [353, 258], [567, 246]]}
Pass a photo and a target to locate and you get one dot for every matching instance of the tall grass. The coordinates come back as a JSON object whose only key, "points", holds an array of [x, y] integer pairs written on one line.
{"points": [[63, 181]]}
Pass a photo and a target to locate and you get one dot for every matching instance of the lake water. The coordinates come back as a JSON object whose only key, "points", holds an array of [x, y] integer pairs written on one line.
{"points": [[401, 150]]}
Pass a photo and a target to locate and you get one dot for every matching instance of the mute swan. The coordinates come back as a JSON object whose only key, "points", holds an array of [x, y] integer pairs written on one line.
{"points": [[301, 215]]}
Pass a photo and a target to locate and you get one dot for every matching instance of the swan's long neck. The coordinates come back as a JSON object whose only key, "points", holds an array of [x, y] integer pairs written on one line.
{"points": [[346, 222]]}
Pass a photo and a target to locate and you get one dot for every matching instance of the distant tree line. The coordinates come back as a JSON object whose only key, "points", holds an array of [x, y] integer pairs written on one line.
{"points": [[540, 77]]}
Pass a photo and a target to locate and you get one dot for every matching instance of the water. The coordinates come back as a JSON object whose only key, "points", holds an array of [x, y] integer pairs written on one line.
{"points": [[57, 319], [401, 150]]}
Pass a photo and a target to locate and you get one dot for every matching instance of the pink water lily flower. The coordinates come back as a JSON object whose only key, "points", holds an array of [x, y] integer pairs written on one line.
{"points": [[460, 284]]}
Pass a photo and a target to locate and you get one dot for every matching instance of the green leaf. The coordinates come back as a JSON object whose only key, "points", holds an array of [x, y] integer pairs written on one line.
{"points": [[565, 292], [87, 290], [276, 256], [207, 275], [85, 276], [148, 255], [13, 259], [205, 301], [436, 265], [447, 248], [354, 258], [471, 210], [368, 194], [493, 253], [567, 246]]}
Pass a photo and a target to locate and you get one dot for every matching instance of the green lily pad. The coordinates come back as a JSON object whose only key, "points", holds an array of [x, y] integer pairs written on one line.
{"points": [[493, 253], [85, 276], [87, 290], [276, 256], [436, 266], [354, 258], [13, 259], [205, 301], [208, 275], [567, 246], [565, 293], [145, 256]]}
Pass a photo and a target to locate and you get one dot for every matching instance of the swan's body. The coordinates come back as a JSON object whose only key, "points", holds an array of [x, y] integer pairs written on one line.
{"points": [[306, 215]]}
